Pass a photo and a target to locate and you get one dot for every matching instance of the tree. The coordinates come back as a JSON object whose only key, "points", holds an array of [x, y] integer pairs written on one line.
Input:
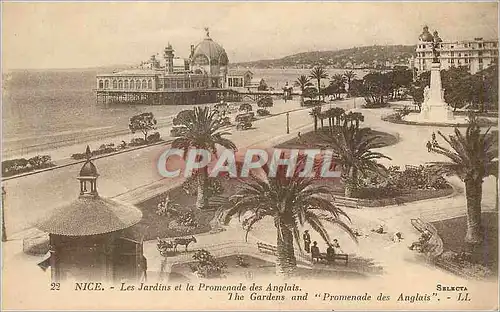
{"points": [[376, 87], [290, 201], [473, 156], [315, 113], [349, 75], [265, 102], [245, 107], [182, 116], [336, 86], [318, 73], [401, 78], [303, 82], [202, 131], [352, 149], [144, 123], [354, 118], [458, 85]]}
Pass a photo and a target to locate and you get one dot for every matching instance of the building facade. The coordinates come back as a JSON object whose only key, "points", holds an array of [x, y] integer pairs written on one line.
{"points": [[199, 79], [475, 55]]}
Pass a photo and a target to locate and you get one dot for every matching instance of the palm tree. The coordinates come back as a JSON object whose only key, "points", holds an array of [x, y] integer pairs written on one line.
{"points": [[303, 82], [349, 75], [318, 73], [338, 81], [354, 118], [352, 149], [290, 201], [201, 130], [473, 156], [337, 114], [316, 113]]}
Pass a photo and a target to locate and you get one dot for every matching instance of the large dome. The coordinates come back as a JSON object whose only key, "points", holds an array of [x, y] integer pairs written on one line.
{"points": [[209, 52]]}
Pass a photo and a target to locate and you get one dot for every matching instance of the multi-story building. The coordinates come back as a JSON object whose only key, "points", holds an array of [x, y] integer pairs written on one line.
{"points": [[475, 55]]}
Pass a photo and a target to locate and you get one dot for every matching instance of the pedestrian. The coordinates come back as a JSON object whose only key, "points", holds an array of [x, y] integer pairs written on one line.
{"points": [[336, 247], [315, 251], [433, 137], [307, 240], [429, 146], [145, 268]]}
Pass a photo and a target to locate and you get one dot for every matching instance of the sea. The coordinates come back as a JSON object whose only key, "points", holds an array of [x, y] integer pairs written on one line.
{"points": [[48, 109]]}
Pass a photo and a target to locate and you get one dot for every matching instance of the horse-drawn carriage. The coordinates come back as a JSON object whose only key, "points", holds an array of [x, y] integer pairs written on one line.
{"points": [[170, 246]]}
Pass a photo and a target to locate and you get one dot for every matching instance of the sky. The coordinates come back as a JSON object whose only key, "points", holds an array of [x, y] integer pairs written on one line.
{"points": [[76, 35]]}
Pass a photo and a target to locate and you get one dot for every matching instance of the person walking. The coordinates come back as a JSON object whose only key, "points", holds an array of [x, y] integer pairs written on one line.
{"points": [[307, 241], [429, 146]]}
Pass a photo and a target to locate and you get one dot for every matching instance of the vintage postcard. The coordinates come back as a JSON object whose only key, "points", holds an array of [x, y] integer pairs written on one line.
{"points": [[249, 156]]}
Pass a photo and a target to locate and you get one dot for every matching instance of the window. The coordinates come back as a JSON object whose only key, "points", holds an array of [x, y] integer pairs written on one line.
{"points": [[137, 84], [480, 45], [144, 84], [480, 60], [452, 54], [229, 82], [115, 84], [120, 84], [132, 84], [106, 84], [451, 47], [150, 84], [101, 84]]}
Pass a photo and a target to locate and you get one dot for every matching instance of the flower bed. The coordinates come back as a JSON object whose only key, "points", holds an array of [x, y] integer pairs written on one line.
{"points": [[481, 262], [395, 118], [22, 165]]}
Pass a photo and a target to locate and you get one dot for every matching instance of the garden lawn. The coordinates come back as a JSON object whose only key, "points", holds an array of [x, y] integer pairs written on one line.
{"points": [[314, 139], [452, 232]]}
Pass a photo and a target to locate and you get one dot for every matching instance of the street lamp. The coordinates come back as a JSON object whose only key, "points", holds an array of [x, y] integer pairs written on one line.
{"points": [[4, 233], [287, 123]]}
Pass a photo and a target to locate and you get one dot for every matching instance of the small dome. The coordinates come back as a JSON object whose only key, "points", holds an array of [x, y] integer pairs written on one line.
{"points": [[209, 52], [88, 170], [90, 216]]}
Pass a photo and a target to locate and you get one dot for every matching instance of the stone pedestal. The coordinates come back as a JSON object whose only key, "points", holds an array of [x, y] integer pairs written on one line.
{"points": [[434, 107]]}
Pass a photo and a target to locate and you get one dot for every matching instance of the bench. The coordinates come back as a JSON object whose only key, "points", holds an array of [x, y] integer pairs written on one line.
{"points": [[330, 260], [347, 202], [266, 248]]}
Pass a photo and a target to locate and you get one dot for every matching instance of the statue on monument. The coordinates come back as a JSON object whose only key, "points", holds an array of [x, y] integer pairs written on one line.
{"points": [[426, 35], [436, 44]]}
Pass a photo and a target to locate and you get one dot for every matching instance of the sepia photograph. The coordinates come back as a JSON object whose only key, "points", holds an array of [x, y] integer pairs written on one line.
{"points": [[249, 155]]}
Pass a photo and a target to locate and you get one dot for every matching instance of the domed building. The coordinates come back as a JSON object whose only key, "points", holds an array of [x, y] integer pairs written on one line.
{"points": [[209, 57], [199, 79]]}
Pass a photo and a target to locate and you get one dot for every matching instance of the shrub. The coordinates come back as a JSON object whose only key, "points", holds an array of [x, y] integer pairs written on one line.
{"points": [[187, 219], [167, 208], [241, 262], [154, 137], [308, 103], [190, 186], [39, 162], [21, 165], [137, 142], [207, 266], [263, 112]]}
